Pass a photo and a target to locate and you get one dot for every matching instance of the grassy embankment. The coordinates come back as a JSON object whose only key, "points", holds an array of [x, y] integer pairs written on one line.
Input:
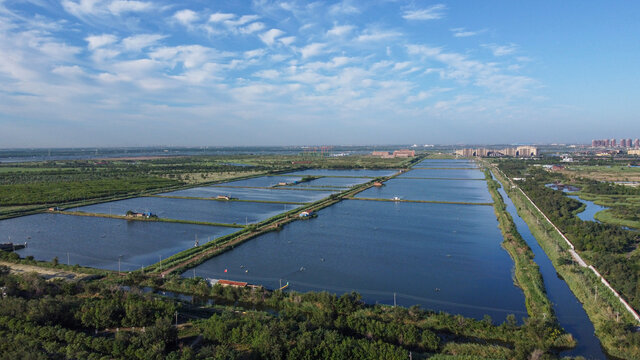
{"points": [[601, 306], [527, 274]]}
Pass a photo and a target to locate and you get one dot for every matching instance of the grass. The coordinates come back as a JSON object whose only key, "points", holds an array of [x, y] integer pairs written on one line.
{"points": [[606, 216]]}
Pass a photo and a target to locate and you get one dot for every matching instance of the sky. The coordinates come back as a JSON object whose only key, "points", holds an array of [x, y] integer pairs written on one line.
{"points": [[221, 73]]}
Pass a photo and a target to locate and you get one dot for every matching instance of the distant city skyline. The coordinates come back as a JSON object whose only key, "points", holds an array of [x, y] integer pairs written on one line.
{"points": [[108, 73]]}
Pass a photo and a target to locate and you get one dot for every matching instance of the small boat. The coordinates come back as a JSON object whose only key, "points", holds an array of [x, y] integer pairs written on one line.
{"points": [[302, 268], [395, 198]]}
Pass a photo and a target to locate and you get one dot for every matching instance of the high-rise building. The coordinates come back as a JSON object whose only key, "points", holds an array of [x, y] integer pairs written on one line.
{"points": [[629, 143], [613, 143], [623, 143], [636, 143], [607, 143]]}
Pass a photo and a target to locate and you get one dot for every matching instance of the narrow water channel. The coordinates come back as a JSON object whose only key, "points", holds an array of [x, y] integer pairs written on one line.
{"points": [[590, 210], [569, 311]]}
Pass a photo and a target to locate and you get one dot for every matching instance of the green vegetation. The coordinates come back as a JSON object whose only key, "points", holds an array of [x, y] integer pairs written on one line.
{"points": [[527, 273], [614, 326], [113, 318]]}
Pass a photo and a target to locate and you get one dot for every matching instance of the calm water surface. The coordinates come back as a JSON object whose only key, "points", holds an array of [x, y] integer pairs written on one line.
{"points": [[568, 309], [441, 256], [346, 172], [227, 212], [262, 181], [445, 173], [335, 182], [253, 194], [473, 191], [446, 163], [590, 211], [98, 242]]}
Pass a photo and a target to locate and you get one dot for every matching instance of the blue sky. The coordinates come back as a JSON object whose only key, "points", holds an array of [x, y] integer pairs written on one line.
{"points": [[137, 73]]}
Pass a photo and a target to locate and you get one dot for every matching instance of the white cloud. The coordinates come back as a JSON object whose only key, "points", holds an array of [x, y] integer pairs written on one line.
{"points": [[220, 17], [268, 74], [465, 70], [344, 7], [69, 71], [251, 28], [434, 12], [377, 35], [249, 54], [340, 30], [186, 17], [122, 6], [82, 7], [287, 40], [312, 50], [139, 42], [269, 37], [462, 32], [501, 50], [97, 41]]}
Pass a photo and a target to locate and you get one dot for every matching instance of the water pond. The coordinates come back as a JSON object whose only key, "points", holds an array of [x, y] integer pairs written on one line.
{"points": [[98, 242], [441, 256], [227, 212], [472, 191], [346, 172], [446, 163], [262, 181], [591, 209], [278, 194], [333, 182], [445, 173]]}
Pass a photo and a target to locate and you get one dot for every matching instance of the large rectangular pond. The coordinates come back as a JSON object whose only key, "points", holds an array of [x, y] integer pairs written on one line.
{"points": [[280, 194], [227, 212], [98, 242], [445, 173], [345, 172], [441, 256], [333, 182], [446, 163], [472, 191], [262, 181]]}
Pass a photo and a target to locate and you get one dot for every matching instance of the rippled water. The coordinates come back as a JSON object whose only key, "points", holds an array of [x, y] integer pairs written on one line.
{"points": [[473, 191], [442, 256], [445, 173], [253, 194], [228, 212], [98, 242]]}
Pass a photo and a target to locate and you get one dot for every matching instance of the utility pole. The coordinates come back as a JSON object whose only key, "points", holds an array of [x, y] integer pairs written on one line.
{"points": [[596, 297], [394, 299], [68, 262], [176, 319]]}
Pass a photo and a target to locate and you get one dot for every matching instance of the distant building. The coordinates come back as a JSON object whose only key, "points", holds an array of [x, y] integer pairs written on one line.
{"points": [[520, 151], [613, 143], [396, 154], [636, 143], [634, 152], [623, 142], [404, 153]]}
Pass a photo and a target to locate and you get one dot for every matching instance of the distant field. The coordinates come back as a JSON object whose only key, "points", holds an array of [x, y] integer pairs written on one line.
{"points": [[603, 173]]}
